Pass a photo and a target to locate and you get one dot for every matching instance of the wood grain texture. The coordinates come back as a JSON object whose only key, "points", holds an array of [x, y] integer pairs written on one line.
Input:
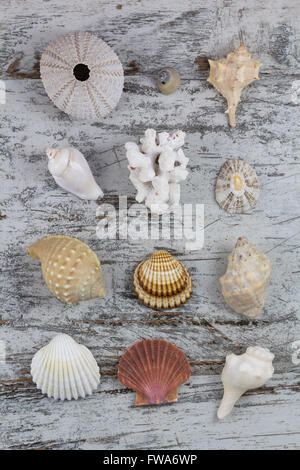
{"points": [[148, 36]]}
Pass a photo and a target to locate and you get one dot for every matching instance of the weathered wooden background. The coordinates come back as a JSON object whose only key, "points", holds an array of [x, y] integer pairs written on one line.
{"points": [[148, 35]]}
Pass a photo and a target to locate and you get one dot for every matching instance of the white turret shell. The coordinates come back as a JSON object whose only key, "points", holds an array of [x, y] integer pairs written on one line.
{"points": [[71, 171], [64, 369], [245, 372]]}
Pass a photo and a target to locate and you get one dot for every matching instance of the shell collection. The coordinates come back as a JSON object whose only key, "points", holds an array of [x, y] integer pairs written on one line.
{"points": [[82, 75], [245, 372], [154, 369], [229, 76], [70, 268], [71, 171], [65, 369], [162, 281], [156, 168], [237, 188], [168, 80], [84, 78], [246, 279]]}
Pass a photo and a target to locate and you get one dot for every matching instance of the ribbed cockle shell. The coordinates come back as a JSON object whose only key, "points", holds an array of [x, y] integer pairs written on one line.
{"points": [[246, 279], [65, 369], [70, 268], [237, 188], [229, 76], [162, 281], [154, 368]]}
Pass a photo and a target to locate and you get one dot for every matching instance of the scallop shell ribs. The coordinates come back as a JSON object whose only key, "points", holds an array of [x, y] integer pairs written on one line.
{"points": [[70, 268], [162, 281], [237, 188], [154, 368], [246, 279]]}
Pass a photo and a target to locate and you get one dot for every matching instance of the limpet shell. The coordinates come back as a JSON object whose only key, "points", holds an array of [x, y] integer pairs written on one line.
{"points": [[237, 188], [154, 368]]}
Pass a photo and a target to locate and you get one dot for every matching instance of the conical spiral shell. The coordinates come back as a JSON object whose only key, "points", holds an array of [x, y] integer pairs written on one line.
{"points": [[65, 369], [162, 281], [237, 188], [82, 75], [229, 76], [70, 268], [154, 369], [246, 279]]}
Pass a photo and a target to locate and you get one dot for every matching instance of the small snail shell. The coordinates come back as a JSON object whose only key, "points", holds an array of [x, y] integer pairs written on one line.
{"points": [[168, 80]]}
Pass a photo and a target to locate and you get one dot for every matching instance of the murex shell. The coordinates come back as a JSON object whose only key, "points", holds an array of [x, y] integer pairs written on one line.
{"points": [[244, 372], [246, 279], [162, 281], [82, 75], [154, 368], [229, 76], [237, 188], [70, 268], [65, 369]]}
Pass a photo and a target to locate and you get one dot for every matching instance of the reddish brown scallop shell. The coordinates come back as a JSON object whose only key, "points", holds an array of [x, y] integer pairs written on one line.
{"points": [[154, 368]]}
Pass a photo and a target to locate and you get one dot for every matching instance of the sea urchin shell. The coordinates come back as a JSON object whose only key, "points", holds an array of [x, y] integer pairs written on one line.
{"points": [[237, 188], [154, 368], [82, 75], [162, 281]]}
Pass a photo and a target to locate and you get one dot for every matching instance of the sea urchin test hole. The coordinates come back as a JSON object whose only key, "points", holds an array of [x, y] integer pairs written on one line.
{"points": [[81, 72], [237, 182]]}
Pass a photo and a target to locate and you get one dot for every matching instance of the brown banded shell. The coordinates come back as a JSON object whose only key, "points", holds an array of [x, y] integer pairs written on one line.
{"points": [[162, 281], [154, 368], [231, 74], [70, 268], [246, 279], [168, 80], [237, 188]]}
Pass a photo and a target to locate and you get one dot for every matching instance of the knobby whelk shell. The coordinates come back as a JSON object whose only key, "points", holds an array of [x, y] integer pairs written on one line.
{"points": [[65, 369], [237, 188], [162, 281], [154, 368], [82, 75], [244, 372], [229, 76], [246, 279], [70, 268]]}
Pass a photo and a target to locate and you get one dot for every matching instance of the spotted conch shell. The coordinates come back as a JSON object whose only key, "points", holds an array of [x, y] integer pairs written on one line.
{"points": [[229, 76], [70, 268], [154, 368], [162, 281], [64, 369], [245, 372], [246, 279], [237, 188]]}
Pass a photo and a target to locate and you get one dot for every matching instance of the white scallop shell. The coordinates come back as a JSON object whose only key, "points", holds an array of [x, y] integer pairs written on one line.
{"points": [[237, 188], [65, 369], [96, 91]]}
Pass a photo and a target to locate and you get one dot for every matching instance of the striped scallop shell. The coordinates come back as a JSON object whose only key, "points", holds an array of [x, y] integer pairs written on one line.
{"points": [[65, 369], [70, 268], [162, 281], [237, 188], [246, 279], [154, 368], [82, 75]]}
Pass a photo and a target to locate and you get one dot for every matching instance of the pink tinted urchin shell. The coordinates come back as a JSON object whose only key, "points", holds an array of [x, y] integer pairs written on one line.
{"points": [[82, 75], [154, 368]]}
